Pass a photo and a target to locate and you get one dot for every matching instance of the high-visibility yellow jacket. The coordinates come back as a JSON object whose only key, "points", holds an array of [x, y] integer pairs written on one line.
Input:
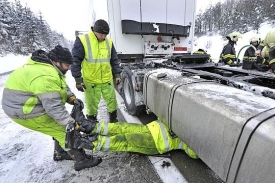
{"points": [[96, 67], [36, 89]]}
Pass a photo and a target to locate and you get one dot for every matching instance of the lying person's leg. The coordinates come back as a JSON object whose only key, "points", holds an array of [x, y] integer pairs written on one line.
{"points": [[130, 142], [111, 129]]}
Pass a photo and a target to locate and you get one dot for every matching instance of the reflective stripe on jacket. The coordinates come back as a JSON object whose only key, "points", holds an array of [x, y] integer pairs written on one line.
{"points": [[161, 136], [96, 67], [228, 54], [249, 54], [36, 89]]}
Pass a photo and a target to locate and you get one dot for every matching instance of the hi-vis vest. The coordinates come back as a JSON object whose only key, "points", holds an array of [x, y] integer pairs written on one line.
{"points": [[96, 67]]}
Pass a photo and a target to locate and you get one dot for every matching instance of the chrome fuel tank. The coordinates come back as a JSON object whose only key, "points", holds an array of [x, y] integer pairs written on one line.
{"points": [[208, 116]]}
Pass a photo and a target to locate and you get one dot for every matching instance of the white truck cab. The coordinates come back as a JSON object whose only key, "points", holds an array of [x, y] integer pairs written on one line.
{"points": [[142, 28]]}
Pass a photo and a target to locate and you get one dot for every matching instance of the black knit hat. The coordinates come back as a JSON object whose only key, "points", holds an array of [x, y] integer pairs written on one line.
{"points": [[60, 54], [101, 26]]}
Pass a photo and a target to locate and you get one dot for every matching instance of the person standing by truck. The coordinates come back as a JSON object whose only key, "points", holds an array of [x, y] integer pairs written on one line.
{"points": [[249, 54], [228, 54], [95, 62]]}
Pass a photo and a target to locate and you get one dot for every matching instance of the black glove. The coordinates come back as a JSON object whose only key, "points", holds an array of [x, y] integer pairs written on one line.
{"points": [[75, 139], [86, 125], [81, 123], [79, 103], [80, 84]]}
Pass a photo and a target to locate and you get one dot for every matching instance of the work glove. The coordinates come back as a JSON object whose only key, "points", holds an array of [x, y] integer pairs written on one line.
{"points": [[80, 84], [81, 123], [75, 101], [79, 102], [86, 125], [74, 139], [118, 79]]}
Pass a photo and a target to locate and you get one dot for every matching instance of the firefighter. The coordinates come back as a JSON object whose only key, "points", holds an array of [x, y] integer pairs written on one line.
{"points": [[34, 96], [201, 51], [249, 54], [270, 43], [95, 61], [228, 54]]}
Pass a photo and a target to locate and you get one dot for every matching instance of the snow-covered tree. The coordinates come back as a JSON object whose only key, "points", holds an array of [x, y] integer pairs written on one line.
{"points": [[22, 32]]}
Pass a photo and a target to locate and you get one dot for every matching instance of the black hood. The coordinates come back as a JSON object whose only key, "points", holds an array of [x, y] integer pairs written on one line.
{"points": [[41, 56]]}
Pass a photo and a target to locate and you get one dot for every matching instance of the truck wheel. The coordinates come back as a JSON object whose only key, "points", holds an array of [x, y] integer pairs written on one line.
{"points": [[128, 93]]}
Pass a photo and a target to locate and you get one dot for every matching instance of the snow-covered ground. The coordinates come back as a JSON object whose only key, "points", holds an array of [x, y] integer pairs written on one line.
{"points": [[26, 156]]}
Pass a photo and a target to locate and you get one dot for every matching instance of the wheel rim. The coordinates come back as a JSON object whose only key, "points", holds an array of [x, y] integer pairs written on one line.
{"points": [[127, 92]]}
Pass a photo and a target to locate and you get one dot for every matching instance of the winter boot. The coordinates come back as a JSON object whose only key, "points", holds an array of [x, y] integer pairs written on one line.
{"points": [[87, 156], [83, 161], [59, 153], [113, 116], [92, 117]]}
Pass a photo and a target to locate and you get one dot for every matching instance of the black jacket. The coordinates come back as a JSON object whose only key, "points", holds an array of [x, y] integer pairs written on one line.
{"points": [[228, 54], [249, 54]]}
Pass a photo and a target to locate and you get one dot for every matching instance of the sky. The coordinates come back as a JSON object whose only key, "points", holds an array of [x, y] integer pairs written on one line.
{"points": [[203, 4], [26, 156], [67, 16]]}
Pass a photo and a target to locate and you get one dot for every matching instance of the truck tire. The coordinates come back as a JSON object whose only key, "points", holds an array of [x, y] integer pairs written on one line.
{"points": [[128, 93]]}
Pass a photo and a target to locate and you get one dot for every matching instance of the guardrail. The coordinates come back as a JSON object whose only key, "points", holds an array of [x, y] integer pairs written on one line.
{"points": [[4, 73]]}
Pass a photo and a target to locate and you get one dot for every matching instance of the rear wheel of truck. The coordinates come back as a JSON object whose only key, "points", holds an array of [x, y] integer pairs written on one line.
{"points": [[128, 93]]}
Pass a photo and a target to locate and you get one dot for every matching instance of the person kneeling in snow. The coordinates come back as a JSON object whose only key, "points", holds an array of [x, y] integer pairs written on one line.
{"points": [[34, 96]]}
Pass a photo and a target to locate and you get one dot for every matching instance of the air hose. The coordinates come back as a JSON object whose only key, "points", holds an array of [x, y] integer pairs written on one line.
{"points": [[243, 48]]}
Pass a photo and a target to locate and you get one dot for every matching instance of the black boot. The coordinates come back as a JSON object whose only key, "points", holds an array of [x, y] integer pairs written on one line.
{"points": [[87, 156], [83, 161], [92, 117], [59, 153], [113, 116]]}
